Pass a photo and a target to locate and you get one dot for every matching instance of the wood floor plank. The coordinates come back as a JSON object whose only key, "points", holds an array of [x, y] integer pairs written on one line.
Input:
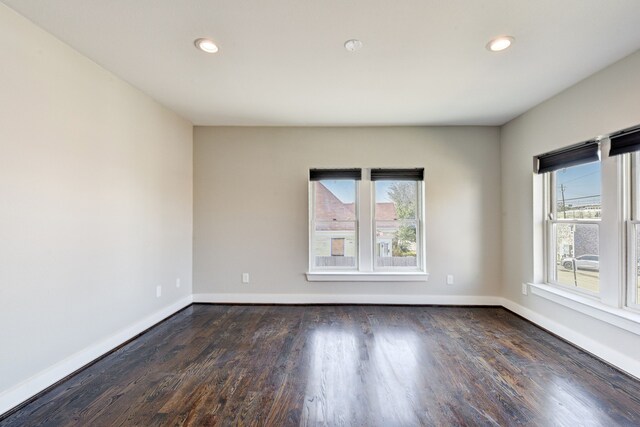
{"points": [[341, 366]]}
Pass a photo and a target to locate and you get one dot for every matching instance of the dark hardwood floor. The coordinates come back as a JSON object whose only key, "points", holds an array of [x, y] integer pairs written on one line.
{"points": [[341, 365]]}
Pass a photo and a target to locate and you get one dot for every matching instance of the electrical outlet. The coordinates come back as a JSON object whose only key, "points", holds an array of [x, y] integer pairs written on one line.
{"points": [[158, 291], [525, 289], [449, 279], [178, 282], [245, 277]]}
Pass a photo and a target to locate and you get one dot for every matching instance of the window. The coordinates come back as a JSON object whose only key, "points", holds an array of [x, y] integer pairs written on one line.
{"points": [[574, 225], [621, 144], [366, 222], [334, 219], [573, 217], [396, 219], [588, 214], [337, 246]]}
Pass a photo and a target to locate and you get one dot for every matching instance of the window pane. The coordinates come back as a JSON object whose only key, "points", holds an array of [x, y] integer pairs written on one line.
{"points": [[577, 255], [335, 237], [577, 192], [396, 200], [335, 200], [396, 212], [334, 244]]}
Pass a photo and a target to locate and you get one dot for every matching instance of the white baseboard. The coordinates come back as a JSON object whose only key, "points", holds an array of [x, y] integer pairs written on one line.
{"points": [[346, 299], [30, 387], [606, 353]]}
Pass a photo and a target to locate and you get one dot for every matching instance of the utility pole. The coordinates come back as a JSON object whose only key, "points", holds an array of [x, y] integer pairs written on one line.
{"points": [[564, 208]]}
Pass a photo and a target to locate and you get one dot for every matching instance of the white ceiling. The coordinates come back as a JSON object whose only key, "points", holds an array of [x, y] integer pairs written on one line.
{"points": [[282, 62]]}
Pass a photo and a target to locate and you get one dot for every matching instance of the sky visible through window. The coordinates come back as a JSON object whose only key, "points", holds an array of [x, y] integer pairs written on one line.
{"points": [[580, 185], [382, 191], [344, 190]]}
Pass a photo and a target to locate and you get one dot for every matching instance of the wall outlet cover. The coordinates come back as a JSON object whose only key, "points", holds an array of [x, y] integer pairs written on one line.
{"points": [[525, 289]]}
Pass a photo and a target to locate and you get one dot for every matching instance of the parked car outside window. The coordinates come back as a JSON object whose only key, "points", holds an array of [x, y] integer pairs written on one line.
{"points": [[583, 262]]}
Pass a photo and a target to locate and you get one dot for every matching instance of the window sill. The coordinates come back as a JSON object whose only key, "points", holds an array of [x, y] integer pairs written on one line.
{"points": [[358, 276], [619, 317]]}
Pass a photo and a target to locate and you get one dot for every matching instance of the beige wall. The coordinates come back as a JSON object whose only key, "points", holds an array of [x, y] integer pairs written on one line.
{"points": [[251, 205], [603, 103], [95, 203]]}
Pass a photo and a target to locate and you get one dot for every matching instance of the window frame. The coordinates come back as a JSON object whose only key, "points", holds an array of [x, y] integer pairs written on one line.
{"points": [[364, 269], [631, 300], [630, 162], [312, 224], [550, 211], [613, 305], [419, 227]]}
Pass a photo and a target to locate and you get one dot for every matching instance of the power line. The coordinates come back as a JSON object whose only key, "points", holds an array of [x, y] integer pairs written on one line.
{"points": [[580, 177], [583, 197]]}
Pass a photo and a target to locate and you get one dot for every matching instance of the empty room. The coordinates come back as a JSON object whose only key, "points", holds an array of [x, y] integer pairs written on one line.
{"points": [[279, 213]]}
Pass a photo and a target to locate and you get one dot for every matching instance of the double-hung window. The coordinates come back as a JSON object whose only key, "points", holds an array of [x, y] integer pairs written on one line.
{"points": [[334, 219], [573, 211], [591, 219], [366, 224], [626, 144], [397, 218]]}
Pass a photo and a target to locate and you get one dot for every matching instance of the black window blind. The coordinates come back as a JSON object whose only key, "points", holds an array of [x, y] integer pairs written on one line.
{"points": [[416, 174], [322, 174], [625, 142], [585, 152]]}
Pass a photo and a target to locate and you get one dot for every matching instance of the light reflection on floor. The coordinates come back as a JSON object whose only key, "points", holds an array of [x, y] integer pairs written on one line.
{"points": [[567, 403], [398, 379], [334, 363], [335, 373]]}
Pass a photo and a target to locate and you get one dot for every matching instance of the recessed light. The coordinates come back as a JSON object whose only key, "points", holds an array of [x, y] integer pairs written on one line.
{"points": [[353, 45], [500, 43], [206, 45]]}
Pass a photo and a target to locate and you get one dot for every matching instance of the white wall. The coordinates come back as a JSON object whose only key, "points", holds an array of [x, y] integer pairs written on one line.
{"points": [[603, 103], [95, 207], [251, 206]]}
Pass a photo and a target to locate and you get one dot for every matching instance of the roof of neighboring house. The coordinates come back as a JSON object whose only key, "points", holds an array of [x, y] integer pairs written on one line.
{"points": [[331, 208], [385, 211]]}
